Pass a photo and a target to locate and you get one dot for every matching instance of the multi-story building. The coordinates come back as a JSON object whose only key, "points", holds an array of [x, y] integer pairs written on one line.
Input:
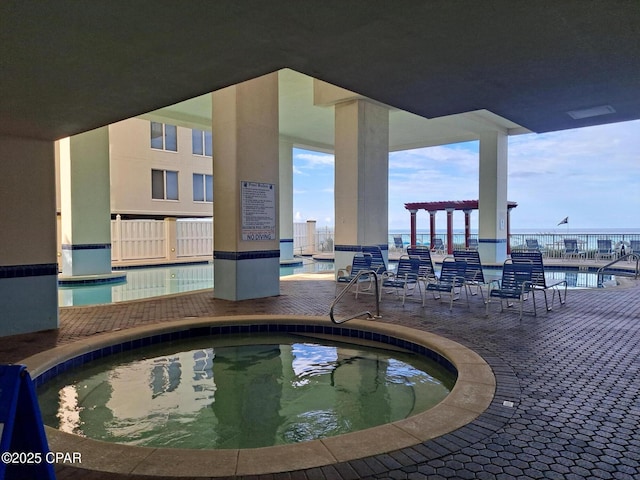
{"points": [[158, 170]]}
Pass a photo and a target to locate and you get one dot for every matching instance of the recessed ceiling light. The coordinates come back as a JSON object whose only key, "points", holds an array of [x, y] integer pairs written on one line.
{"points": [[591, 112]]}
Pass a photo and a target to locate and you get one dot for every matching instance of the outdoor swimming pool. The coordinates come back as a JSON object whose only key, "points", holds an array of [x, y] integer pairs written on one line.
{"points": [[166, 280], [161, 280]]}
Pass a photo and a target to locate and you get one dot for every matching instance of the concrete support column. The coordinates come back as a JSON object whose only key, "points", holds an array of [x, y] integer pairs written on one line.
{"points": [[28, 268], [467, 228], [361, 178], [85, 204], [492, 237], [509, 230], [286, 200], [432, 229], [449, 230], [310, 247], [245, 175], [414, 230]]}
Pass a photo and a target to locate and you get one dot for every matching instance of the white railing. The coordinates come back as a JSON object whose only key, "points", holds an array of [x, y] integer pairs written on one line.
{"points": [[166, 239]]}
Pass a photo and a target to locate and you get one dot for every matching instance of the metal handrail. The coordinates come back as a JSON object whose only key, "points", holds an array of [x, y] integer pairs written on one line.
{"points": [[628, 256], [343, 292]]}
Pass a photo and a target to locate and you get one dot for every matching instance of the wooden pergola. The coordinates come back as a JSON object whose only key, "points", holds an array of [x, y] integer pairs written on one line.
{"points": [[450, 206]]}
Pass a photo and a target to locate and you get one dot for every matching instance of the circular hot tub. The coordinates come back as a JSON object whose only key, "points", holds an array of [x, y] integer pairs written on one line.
{"points": [[470, 396]]}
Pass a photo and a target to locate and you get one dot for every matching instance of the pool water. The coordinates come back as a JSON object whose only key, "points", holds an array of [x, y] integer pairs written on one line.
{"points": [[241, 392], [157, 281], [167, 280]]}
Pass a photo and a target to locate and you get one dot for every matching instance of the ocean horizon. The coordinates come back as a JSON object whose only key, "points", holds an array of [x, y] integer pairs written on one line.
{"points": [[539, 231]]}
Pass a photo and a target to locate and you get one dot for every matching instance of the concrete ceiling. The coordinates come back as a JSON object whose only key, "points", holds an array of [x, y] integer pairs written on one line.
{"points": [[68, 66], [311, 126]]}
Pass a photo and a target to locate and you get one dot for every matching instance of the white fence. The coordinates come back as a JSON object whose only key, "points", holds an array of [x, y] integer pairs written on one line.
{"points": [[160, 239], [194, 238]]}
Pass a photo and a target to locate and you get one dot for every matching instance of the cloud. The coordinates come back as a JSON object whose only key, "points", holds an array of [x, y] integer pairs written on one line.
{"points": [[590, 174], [312, 160]]}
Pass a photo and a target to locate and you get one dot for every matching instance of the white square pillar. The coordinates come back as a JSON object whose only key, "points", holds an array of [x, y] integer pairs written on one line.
{"points": [[28, 266], [492, 203], [361, 178], [85, 205], [245, 176]]}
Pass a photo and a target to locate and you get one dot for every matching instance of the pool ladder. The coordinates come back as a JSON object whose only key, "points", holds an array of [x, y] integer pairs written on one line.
{"points": [[628, 257], [353, 281]]}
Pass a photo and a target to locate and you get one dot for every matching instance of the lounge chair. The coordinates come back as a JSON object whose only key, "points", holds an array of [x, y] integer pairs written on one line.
{"points": [[438, 246], [634, 246], [539, 279], [451, 280], [405, 277], [378, 263], [361, 263], [571, 249], [473, 244], [426, 272], [398, 243], [473, 275], [605, 250], [515, 285], [534, 246]]}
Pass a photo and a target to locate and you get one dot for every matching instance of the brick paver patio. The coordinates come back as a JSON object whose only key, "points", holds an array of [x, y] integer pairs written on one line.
{"points": [[572, 375]]}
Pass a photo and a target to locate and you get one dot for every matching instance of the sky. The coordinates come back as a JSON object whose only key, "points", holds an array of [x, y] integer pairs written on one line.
{"points": [[591, 175]]}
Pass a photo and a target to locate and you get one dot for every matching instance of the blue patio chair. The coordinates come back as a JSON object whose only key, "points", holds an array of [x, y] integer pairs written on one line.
{"points": [[605, 250], [398, 243], [426, 272], [451, 280], [515, 285], [473, 244], [473, 275], [534, 246], [378, 263], [539, 279], [438, 246], [361, 263], [405, 277], [634, 246], [571, 249]]}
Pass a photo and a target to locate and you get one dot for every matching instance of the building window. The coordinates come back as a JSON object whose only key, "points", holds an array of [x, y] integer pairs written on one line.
{"points": [[164, 137], [202, 143], [164, 185], [202, 187]]}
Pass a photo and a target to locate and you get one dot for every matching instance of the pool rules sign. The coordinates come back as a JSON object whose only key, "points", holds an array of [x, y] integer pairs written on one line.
{"points": [[258, 211]]}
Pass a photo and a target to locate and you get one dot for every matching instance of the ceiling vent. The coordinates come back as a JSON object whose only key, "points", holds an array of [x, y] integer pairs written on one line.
{"points": [[591, 112]]}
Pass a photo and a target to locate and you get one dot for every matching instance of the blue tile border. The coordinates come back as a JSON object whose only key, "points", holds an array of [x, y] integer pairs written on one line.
{"points": [[251, 255], [86, 246], [36, 270], [213, 330], [94, 281], [164, 264], [358, 248], [347, 248], [492, 240]]}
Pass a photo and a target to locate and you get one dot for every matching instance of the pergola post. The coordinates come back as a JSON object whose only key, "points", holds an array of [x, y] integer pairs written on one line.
{"points": [[467, 227], [432, 227], [413, 240], [450, 230]]}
